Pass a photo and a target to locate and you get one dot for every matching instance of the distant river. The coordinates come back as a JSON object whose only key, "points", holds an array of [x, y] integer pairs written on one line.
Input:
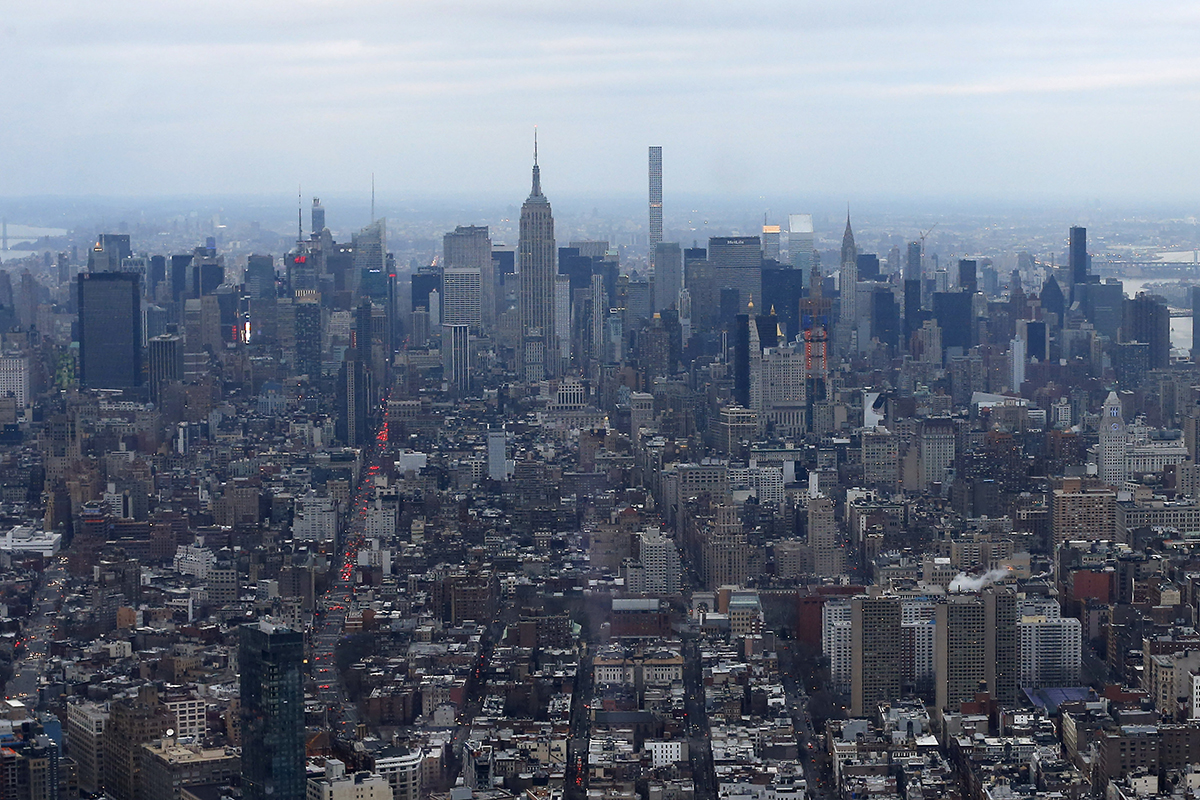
{"points": [[19, 234], [1181, 327]]}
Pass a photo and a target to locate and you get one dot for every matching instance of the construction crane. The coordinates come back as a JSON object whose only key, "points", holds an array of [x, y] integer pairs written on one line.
{"points": [[923, 235]]}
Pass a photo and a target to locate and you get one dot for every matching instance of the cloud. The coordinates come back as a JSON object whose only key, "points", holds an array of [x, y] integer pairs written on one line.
{"points": [[773, 97]]}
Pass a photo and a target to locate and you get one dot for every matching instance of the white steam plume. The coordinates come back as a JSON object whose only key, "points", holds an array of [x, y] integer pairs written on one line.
{"points": [[973, 583]]}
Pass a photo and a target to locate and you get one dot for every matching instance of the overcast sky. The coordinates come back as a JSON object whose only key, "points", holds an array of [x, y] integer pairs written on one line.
{"points": [[855, 98]]}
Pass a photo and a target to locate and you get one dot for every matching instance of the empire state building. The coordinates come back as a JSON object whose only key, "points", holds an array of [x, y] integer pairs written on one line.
{"points": [[535, 261]]}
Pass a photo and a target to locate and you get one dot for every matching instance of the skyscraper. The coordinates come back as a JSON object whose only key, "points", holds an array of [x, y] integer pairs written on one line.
{"points": [[353, 403], [968, 276], [1195, 320], [469, 247], [877, 653], [912, 265], [668, 275], [1112, 465], [656, 222], [318, 217], [1148, 320], [800, 241], [456, 366], [848, 283], [272, 712], [536, 262], [976, 645], [1077, 255], [165, 356], [110, 330], [829, 558], [462, 297]]}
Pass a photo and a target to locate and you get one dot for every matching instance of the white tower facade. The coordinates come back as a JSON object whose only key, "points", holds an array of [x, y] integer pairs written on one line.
{"points": [[1113, 466]]}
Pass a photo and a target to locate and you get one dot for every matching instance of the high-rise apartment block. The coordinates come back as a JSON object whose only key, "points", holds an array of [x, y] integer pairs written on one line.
{"points": [[876, 653], [656, 208], [976, 648], [271, 660]]}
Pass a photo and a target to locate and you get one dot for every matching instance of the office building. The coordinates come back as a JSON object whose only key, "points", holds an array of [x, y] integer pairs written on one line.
{"points": [[668, 275], [656, 210], [1077, 255], [735, 252], [470, 247], [800, 242], [937, 450], [272, 712], [337, 785], [868, 267], [1051, 646], [260, 276], [562, 320], [1113, 467], [771, 235], [660, 562], [462, 297], [497, 455], [164, 357], [110, 331], [1079, 513], [1016, 364], [403, 770], [876, 653], [14, 377], [370, 247], [85, 743], [953, 312], [912, 263], [536, 262], [880, 459], [168, 767], [456, 361], [829, 557], [1148, 320], [837, 641], [1195, 295], [132, 722], [353, 400], [847, 341], [968, 276]]}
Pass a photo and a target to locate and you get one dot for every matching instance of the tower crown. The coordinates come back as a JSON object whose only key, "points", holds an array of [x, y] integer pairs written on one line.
{"points": [[536, 191]]}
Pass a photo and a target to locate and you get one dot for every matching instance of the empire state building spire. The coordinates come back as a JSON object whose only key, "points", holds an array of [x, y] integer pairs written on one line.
{"points": [[536, 263], [536, 191]]}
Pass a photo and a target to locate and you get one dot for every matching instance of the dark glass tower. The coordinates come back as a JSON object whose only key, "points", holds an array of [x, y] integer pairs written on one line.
{"points": [[272, 689], [1077, 255], [110, 330]]}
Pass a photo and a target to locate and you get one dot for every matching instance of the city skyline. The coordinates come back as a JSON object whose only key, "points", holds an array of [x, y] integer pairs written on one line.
{"points": [[861, 99]]}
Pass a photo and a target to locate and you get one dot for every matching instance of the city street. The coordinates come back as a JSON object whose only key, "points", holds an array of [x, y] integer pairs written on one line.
{"points": [[38, 630]]}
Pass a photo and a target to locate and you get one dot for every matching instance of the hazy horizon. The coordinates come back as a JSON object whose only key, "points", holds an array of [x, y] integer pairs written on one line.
{"points": [[1063, 103]]}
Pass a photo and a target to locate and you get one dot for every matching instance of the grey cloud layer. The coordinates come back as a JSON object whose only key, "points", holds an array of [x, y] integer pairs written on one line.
{"points": [[776, 98]]}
